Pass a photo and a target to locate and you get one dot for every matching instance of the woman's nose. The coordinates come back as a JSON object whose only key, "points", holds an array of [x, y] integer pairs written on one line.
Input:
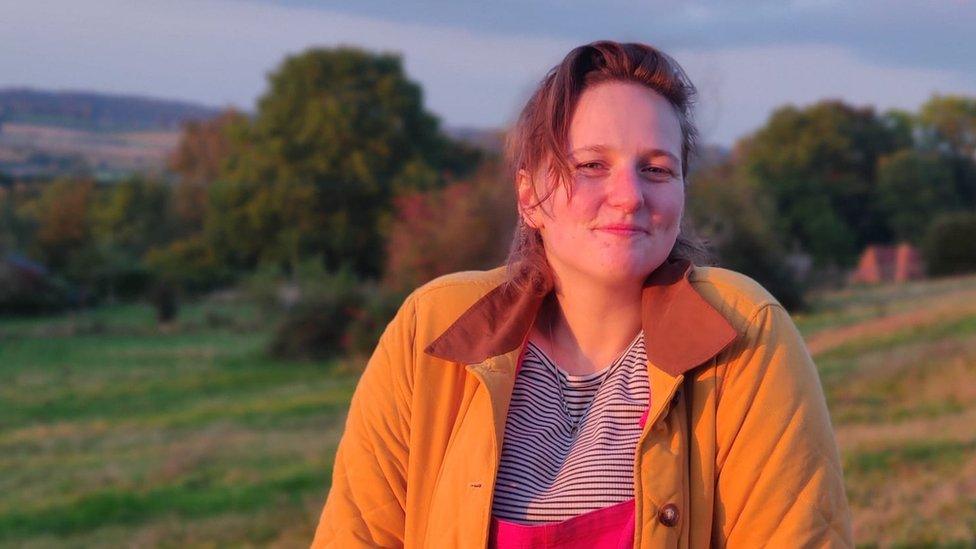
{"points": [[625, 189]]}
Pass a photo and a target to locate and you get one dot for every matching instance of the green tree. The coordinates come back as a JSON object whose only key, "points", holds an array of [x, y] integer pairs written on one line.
{"points": [[913, 187], [949, 246], [198, 160], [466, 225], [738, 222], [948, 122], [818, 165], [129, 218], [133, 216], [63, 216], [338, 134], [16, 228]]}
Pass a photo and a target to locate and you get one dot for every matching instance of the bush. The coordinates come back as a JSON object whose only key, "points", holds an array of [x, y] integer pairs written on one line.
{"points": [[189, 264], [466, 225], [319, 306], [949, 247], [378, 307], [313, 330], [322, 314], [27, 288]]}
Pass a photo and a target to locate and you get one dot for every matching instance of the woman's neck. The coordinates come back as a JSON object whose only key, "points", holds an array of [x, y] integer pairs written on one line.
{"points": [[585, 326]]}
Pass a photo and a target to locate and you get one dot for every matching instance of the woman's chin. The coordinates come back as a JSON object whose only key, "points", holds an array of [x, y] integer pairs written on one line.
{"points": [[621, 271]]}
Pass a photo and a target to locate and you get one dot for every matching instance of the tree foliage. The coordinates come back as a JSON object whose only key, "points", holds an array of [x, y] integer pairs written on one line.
{"points": [[818, 166], [339, 133], [948, 123], [466, 225], [949, 246], [739, 224], [198, 160], [913, 187], [62, 212]]}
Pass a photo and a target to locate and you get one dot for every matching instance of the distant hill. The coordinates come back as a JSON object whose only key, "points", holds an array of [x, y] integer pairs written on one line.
{"points": [[491, 140], [97, 111]]}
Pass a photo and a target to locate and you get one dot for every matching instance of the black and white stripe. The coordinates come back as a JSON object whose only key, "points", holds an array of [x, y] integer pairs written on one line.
{"points": [[562, 457]]}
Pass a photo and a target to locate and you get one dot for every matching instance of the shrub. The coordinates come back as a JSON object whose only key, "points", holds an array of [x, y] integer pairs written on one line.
{"points": [[317, 318], [27, 288], [949, 247], [323, 314], [466, 225], [370, 319]]}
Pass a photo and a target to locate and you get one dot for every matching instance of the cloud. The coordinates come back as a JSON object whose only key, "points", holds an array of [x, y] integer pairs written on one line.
{"points": [[923, 34]]}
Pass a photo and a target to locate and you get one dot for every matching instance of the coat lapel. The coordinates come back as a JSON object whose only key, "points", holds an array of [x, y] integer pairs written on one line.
{"points": [[681, 329]]}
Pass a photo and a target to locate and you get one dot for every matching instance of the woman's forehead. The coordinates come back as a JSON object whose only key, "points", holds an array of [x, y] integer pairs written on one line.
{"points": [[624, 117]]}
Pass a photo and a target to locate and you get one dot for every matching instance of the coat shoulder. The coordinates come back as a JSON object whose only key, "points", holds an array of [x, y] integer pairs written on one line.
{"points": [[733, 294], [441, 301], [460, 286]]}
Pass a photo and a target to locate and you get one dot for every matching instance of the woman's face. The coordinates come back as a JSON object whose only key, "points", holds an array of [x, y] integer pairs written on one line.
{"points": [[622, 218]]}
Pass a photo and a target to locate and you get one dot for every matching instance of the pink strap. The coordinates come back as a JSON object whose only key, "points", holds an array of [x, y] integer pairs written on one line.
{"points": [[607, 528]]}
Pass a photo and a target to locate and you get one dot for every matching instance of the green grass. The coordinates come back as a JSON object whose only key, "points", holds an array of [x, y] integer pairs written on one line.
{"points": [[113, 433], [111, 430], [902, 404], [189, 501], [933, 454]]}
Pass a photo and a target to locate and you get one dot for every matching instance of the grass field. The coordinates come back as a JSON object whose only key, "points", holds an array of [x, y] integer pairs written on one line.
{"points": [[114, 434]]}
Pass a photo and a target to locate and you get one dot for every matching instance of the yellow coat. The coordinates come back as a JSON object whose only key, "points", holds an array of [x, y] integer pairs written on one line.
{"points": [[737, 440]]}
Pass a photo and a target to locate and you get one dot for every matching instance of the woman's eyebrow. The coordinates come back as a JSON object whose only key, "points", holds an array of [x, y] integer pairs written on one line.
{"points": [[590, 148], [661, 152]]}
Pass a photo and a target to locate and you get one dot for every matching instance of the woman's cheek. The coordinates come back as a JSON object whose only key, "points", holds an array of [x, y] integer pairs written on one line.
{"points": [[672, 208]]}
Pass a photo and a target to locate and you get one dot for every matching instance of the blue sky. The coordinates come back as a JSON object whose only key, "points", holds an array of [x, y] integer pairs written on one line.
{"points": [[477, 61]]}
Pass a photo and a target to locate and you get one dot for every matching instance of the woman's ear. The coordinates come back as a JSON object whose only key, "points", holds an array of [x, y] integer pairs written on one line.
{"points": [[527, 201]]}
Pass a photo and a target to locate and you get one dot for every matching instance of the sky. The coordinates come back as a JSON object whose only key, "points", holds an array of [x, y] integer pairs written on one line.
{"points": [[478, 61]]}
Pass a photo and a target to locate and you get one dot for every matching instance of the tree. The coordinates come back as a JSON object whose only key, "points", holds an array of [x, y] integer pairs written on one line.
{"points": [[133, 216], [948, 123], [818, 165], [130, 218], [63, 214], [466, 225], [738, 222], [337, 136], [949, 247], [913, 187], [16, 227], [948, 127], [199, 158]]}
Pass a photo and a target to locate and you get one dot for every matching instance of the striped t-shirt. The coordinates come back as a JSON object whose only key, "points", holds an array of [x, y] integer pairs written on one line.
{"points": [[570, 440]]}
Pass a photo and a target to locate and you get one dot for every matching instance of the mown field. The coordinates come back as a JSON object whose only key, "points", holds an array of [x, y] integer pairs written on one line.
{"points": [[113, 433]]}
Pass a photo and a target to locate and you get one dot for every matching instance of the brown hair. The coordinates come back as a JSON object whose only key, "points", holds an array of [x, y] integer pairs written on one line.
{"points": [[541, 132]]}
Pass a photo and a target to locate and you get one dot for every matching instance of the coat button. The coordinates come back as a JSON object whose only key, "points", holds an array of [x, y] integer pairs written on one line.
{"points": [[668, 515]]}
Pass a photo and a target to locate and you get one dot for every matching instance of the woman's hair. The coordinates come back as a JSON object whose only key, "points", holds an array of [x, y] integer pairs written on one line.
{"points": [[540, 136]]}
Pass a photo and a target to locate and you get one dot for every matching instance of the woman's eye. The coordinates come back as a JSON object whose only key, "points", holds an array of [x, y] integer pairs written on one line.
{"points": [[589, 166], [658, 171]]}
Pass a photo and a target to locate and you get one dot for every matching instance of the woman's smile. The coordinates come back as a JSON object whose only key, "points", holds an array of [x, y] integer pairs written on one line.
{"points": [[623, 230]]}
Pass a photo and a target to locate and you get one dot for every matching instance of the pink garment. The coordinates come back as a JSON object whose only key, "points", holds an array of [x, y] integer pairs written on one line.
{"points": [[608, 528], [611, 527]]}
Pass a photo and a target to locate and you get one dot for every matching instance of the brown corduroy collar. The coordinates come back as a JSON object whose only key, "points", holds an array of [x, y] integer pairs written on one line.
{"points": [[681, 329]]}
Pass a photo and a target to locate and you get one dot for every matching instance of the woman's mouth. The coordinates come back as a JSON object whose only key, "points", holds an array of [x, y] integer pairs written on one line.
{"points": [[621, 229]]}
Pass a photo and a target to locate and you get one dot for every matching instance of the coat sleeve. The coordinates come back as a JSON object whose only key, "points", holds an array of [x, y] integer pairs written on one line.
{"points": [[779, 481], [365, 505]]}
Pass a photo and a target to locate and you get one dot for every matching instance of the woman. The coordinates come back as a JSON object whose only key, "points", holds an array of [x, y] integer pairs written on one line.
{"points": [[600, 391]]}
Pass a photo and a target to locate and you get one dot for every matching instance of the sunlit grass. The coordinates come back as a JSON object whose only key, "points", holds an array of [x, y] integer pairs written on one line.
{"points": [[115, 433], [898, 364]]}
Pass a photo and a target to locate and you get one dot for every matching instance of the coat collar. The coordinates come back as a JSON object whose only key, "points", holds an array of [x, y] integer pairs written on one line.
{"points": [[681, 329]]}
